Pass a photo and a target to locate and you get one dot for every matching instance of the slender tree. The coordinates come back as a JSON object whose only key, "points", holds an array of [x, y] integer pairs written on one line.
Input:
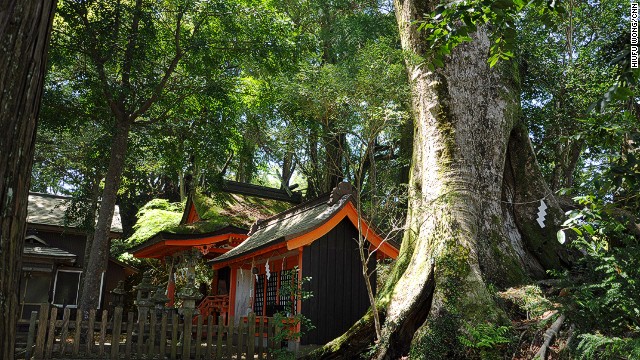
{"points": [[24, 38]]}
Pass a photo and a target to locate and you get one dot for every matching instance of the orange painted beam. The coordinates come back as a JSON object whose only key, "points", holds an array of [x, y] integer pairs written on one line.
{"points": [[248, 255], [167, 247]]}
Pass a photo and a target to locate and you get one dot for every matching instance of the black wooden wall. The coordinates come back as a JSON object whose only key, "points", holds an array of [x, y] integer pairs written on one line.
{"points": [[337, 285]]}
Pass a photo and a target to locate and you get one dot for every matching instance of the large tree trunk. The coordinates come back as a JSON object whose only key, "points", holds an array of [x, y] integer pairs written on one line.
{"points": [[24, 38], [99, 254], [474, 190]]}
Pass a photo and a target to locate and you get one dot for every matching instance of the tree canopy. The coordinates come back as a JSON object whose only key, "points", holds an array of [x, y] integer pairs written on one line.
{"points": [[459, 116]]}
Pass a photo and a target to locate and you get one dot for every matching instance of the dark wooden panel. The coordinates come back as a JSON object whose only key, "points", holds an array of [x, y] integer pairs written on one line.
{"points": [[339, 292]]}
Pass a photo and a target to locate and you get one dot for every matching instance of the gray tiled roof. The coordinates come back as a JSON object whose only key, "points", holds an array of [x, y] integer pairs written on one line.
{"points": [[46, 209], [47, 251], [286, 226]]}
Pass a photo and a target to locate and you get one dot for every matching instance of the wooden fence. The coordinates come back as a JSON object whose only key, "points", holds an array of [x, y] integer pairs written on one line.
{"points": [[115, 336]]}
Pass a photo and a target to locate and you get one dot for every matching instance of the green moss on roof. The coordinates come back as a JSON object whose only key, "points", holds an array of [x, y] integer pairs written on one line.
{"points": [[155, 216], [216, 211], [232, 209]]}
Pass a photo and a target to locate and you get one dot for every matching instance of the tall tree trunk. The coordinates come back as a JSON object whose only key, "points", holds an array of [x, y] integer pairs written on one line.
{"points": [[89, 226], [99, 255], [288, 166], [25, 27], [474, 190], [334, 143]]}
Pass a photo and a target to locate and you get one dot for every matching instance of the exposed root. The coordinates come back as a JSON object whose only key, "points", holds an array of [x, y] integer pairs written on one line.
{"points": [[397, 337], [351, 344], [549, 336]]}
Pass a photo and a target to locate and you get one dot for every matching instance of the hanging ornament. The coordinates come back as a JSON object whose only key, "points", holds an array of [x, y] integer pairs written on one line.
{"points": [[267, 271], [542, 213]]}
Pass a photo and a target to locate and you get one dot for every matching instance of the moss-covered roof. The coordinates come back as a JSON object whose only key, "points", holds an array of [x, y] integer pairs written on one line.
{"points": [[216, 211], [222, 209], [287, 225]]}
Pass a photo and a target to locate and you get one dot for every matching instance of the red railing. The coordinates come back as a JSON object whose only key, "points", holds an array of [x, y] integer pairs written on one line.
{"points": [[216, 305]]}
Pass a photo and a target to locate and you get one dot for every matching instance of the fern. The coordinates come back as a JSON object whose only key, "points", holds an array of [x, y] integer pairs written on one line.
{"points": [[597, 346]]}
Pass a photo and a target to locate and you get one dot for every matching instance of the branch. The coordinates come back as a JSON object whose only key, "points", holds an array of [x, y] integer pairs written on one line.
{"points": [[157, 91]]}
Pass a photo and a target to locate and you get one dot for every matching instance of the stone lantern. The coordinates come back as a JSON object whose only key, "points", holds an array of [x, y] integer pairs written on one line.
{"points": [[159, 298], [143, 298], [190, 293], [117, 295]]}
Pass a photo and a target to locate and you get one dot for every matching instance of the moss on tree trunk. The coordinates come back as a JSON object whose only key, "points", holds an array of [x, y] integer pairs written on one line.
{"points": [[474, 190]]}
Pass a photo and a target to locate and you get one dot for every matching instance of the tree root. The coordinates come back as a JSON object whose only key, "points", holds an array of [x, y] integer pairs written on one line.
{"points": [[351, 344], [549, 336]]}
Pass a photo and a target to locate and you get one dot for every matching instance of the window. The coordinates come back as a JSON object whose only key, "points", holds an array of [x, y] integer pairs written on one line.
{"points": [[258, 296], [65, 289]]}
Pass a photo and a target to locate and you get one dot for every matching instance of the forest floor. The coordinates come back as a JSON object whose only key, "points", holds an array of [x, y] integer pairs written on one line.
{"points": [[534, 317]]}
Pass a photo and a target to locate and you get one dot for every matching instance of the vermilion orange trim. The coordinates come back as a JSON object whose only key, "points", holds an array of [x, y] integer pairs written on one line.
{"points": [[249, 255], [347, 211], [193, 215], [159, 249]]}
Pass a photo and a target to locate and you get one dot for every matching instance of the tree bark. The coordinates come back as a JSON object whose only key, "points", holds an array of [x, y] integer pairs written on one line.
{"points": [[474, 192], [25, 27], [99, 254]]}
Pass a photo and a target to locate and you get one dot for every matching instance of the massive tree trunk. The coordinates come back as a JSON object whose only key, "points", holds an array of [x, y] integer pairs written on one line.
{"points": [[474, 190], [24, 38]]}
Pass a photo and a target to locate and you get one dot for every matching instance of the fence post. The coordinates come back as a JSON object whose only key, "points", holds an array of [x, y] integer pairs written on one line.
{"points": [[209, 336], [52, 332], [261, 339], [174, 335], [42, 330], [115, 333], [219, 342], [229, 351], [186, 335], [241, 328], [152, 335], [163, 335], [198, 341], [76, 335], [31, 334], [129, 336], [64, 333], [103, 331], [90, 330], [251, 336], [270, 342]]}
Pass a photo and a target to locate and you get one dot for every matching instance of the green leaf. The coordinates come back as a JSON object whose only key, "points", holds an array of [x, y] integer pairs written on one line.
{"points": [[561, 236]]}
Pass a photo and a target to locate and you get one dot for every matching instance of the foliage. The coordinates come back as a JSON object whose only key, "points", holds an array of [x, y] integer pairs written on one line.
{"points": [[452, 23], [604, 292], [155, 216], [596, 346], [291, 327], [486, 339]]}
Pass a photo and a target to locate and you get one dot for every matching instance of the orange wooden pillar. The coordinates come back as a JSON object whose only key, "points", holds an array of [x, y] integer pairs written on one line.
{"points": [[171, 283]]}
